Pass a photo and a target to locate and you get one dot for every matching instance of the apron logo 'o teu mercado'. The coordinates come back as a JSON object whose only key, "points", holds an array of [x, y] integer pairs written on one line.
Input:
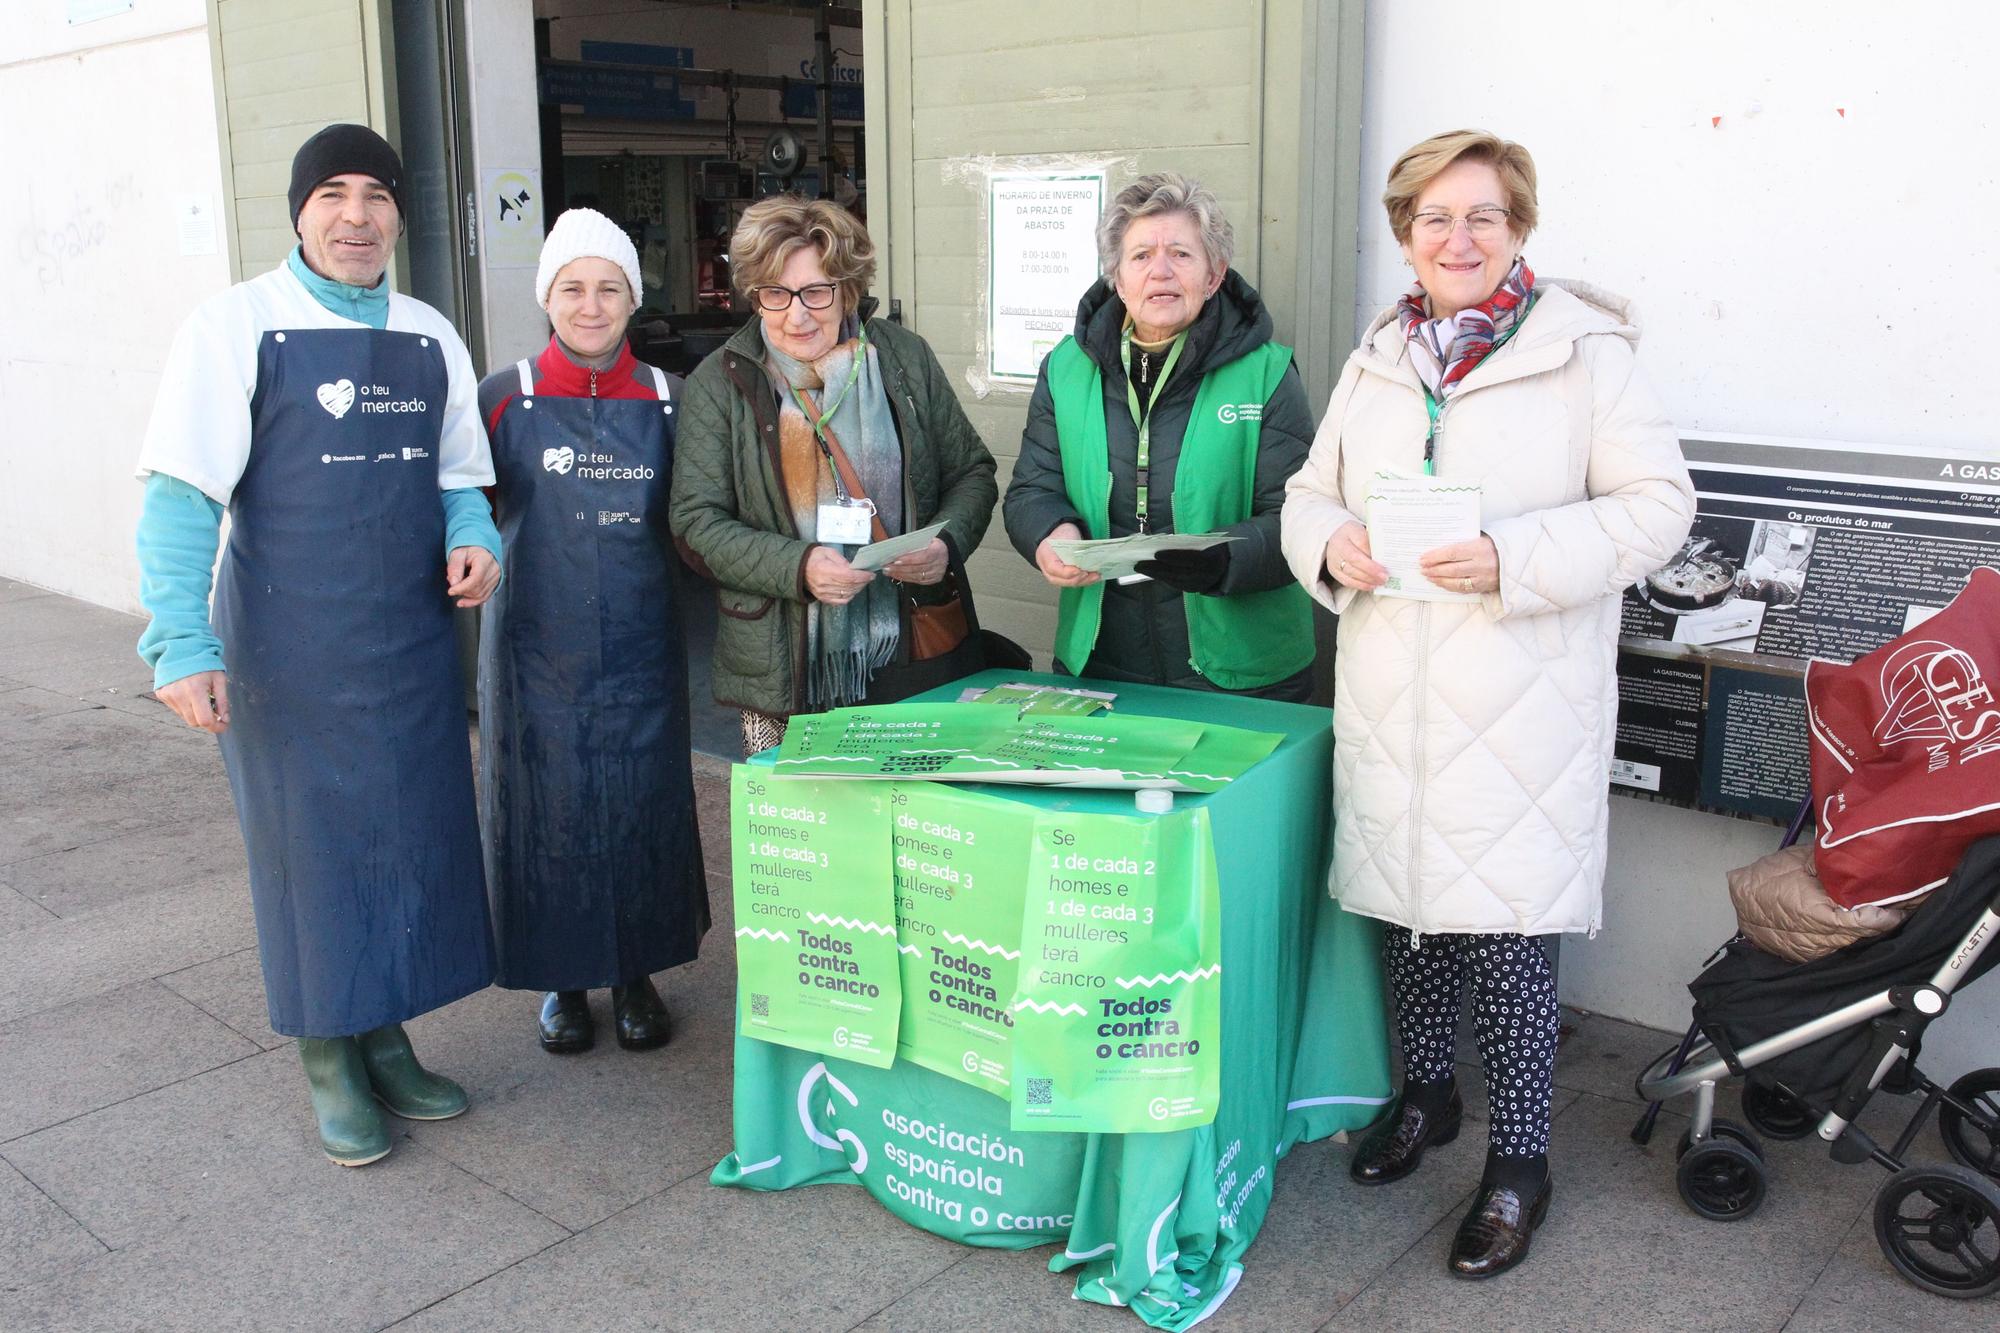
{"points": [[558, 460], [337, 397]]}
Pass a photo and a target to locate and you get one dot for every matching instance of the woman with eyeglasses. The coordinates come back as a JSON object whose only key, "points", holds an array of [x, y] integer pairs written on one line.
{"points": [[1170, 409], [1473, 722], [813, 431]]}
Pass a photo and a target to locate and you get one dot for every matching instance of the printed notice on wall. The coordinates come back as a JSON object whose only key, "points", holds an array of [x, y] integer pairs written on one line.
{"points": [[194, 223], [1041, 259]]}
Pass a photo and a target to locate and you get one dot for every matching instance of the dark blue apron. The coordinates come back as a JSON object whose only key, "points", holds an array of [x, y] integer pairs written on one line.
{"points": [[347, 746], [592, 853]]}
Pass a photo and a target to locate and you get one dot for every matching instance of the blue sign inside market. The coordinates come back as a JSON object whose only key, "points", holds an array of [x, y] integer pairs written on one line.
{"points": [[802, 100], [623, 94]]}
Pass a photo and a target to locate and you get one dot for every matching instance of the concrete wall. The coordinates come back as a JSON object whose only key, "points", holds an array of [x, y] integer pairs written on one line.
{"points": [[111, 127], [1798, 265]]}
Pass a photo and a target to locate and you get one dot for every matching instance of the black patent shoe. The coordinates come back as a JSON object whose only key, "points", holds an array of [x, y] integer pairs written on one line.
{"points": [[642, 1016], [566, 1024], [1494, 1236], [1396, 1148]]}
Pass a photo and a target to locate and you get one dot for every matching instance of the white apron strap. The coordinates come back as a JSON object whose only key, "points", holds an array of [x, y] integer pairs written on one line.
{"points": [[660, 383], [527, 374]]}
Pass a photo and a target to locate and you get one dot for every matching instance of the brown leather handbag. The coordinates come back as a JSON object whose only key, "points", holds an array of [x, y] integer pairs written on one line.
{"points": [[936, 628]]}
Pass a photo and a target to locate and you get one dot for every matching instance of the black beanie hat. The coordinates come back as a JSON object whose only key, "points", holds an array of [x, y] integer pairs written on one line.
{"points": [[338, 150]]}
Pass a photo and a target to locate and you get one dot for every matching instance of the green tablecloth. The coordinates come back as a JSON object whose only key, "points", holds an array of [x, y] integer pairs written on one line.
{"points": [[1157, 1222]]}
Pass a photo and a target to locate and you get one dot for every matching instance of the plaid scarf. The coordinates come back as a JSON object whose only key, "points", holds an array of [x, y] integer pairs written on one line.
{"points": [[845, 645], [1478, 330]]}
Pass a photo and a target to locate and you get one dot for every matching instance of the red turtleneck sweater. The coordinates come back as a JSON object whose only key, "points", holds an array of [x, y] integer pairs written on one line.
{"points": [[556, 374]]}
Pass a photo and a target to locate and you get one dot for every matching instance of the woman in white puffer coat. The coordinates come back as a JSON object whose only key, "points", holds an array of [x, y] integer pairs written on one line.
{"points": [[1473, 736]]}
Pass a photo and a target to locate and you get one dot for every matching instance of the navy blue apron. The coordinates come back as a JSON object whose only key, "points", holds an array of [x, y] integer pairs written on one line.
{"points": [[593, 858], [347, 747]]}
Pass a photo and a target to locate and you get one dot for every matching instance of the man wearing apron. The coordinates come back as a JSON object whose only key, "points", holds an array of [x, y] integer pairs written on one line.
{"points": [[593, 859], [337, 423]]}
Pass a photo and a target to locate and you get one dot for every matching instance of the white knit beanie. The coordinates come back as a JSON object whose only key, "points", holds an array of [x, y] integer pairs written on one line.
{"points": [[585, 233]]}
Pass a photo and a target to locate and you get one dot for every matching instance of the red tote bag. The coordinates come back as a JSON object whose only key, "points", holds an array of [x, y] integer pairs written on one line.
{"points": [[1906, 752]]}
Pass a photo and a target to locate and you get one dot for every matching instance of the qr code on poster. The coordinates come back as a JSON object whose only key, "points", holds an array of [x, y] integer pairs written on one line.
{"points": [[760, 1005], [1041, 1092]]}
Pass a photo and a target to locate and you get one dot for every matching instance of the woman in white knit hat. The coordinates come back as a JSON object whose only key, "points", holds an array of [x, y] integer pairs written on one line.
{"points": [[592, 856]]}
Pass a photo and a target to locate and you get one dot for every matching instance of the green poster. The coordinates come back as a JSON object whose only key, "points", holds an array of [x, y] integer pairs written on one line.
{"points": [[980, 743], [1117, 1019], [816, 961], [961, 863]]}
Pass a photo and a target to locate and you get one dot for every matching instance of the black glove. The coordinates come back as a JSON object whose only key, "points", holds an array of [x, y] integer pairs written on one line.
{"points": [[1188, 571]]}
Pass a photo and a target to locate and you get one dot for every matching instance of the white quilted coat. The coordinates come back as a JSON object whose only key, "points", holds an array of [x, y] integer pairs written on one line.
{"points": [[1472, 740]]}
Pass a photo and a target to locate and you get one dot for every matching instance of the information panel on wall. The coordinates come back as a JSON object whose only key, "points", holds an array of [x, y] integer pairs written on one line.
{"points": [[1800, 549], [1041, 259]]}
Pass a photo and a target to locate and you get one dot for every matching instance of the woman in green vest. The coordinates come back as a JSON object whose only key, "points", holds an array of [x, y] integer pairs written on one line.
{"points": [[1169, 410]]}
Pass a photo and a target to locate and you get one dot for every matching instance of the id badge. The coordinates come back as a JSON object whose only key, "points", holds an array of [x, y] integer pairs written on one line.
{"points": [[847, 522]]}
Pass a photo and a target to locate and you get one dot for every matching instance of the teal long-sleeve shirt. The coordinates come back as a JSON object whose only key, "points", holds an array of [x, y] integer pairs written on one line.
{"points": [[180, 527]]}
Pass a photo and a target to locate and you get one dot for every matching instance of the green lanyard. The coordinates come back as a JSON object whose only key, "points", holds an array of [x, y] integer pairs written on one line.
{"points": [[819, 419], [1434, 406], [1144, 420], [1436, 410]]}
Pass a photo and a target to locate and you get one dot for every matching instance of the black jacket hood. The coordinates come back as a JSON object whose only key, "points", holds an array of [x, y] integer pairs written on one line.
{"points": [[1232, 323]]}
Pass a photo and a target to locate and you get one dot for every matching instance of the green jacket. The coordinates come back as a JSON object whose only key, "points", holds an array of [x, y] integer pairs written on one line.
{"points": [[1244, 641], [1145, 630], [733, 525]]}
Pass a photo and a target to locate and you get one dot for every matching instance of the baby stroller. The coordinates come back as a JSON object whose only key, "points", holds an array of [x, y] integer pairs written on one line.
{"points": [[1814, 1041]]}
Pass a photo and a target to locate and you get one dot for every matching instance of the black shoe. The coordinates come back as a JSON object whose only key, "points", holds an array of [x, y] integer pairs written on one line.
{"points": [[642, 1016], [566, 1024], [1394, 1149], [1494, 1236]]}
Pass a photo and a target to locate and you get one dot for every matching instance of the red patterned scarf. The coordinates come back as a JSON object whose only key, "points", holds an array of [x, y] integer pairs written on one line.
{"points": [[1479, 329]]}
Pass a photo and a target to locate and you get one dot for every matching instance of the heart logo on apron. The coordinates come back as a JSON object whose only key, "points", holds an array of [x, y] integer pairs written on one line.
{"points": [[337, 397], [559, 460]]}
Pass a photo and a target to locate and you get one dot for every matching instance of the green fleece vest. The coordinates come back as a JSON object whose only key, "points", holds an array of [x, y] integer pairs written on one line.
{"points": [[1240, 641]]}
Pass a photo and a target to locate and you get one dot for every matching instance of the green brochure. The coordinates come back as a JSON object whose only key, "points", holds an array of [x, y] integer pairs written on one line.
{"points": [[975, 742], [1048, 699], [1223, 753], [1118, 1014], [961, 863], [816, 961]]}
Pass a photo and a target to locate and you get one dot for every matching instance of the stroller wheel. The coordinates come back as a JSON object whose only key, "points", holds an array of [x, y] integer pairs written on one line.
{"points": [[1974, 1139], [1775, 1113], [1722, 1129], [1721, 1180], [1939, 1226]]}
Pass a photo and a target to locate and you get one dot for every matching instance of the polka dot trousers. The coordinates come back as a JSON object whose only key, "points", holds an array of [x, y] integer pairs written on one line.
{"points": [[1513, 1013]]}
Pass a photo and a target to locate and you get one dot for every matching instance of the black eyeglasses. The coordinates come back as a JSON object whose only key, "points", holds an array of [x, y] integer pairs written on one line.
{"points": [[813, 296]]}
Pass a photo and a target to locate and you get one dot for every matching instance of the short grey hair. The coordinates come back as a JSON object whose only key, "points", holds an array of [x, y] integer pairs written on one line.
{"points": [[1165, 192]]}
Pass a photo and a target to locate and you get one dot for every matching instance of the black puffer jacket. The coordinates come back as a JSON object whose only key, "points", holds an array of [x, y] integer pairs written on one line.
{"points": [[1144, 635]]}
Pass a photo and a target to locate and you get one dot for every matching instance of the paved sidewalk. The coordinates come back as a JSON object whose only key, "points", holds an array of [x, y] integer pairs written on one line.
{"points": [[158, 1166]]}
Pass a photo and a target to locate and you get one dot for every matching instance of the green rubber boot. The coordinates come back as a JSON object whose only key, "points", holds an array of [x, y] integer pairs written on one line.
{"points": [[401, 1084], [351, 1127]]}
